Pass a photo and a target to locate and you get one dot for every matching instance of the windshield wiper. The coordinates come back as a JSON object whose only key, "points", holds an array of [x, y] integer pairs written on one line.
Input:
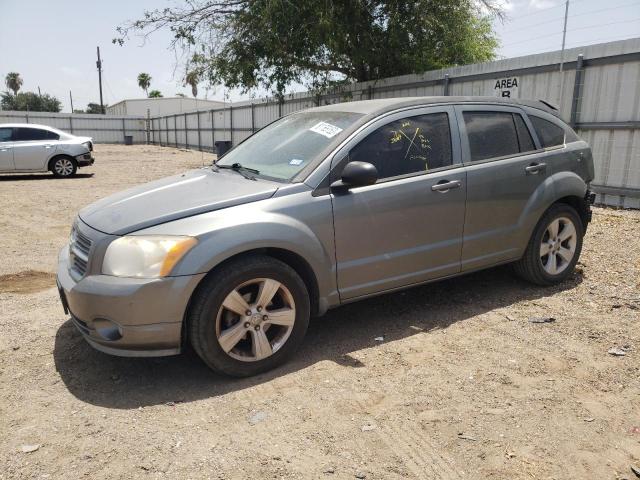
{"points": [[244, 171]]}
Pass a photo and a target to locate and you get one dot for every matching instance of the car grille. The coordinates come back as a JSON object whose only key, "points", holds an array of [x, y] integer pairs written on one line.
{"points": [[79, 249]]}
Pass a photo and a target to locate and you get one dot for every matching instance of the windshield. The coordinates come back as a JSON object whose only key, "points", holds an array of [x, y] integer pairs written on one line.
{"points": [[285, 147]]}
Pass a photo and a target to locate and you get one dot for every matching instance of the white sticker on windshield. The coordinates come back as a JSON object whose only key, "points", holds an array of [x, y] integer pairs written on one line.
{"points": [[295, 161], [326, 129]]}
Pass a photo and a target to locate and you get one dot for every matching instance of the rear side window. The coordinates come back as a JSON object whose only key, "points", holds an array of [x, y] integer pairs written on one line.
{"points": [[549, 133], [5, 134], [31, 134], [409, 145], [491, 134]]}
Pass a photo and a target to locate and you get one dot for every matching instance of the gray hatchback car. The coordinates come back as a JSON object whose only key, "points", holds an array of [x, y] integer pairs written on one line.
{"points": [[320, 208]]}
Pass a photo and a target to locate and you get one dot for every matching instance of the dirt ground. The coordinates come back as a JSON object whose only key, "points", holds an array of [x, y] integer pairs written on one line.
{"points": [[462, 386]]}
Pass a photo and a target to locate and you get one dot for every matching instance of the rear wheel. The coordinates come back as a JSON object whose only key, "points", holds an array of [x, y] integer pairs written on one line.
{"points": [[554, 248], [249, 316], [64, 167]]}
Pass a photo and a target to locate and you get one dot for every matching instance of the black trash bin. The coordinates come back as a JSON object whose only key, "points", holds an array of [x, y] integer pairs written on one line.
{"points": [[128, 139], [222, 147]]}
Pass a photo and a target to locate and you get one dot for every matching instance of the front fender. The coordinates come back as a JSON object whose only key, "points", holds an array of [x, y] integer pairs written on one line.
{"points": [[225, 233]]}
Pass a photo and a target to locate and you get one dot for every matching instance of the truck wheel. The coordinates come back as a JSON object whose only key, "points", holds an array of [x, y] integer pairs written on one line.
{"points": [[554, 247], [248, 316], [64, 167]]}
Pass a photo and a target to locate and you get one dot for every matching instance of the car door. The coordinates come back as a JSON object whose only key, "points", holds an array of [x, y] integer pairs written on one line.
{"points": [[407, 227], [505, 172], [6, 151], [32, 148]]}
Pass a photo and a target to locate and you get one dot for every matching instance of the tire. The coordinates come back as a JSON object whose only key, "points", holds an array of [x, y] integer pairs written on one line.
{"points": [[538, 268], [211, 324], [63, 167]]}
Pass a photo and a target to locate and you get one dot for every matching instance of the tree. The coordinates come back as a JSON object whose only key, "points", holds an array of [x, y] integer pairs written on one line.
{"points": [[29, 101], [144, 82], [155, 94], [13, 81], [271, 44], [192, 78], [94, 108]]}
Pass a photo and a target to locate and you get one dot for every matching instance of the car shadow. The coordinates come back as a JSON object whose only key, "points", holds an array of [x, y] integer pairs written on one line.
{"points": [[41, 176], [126, 383]]}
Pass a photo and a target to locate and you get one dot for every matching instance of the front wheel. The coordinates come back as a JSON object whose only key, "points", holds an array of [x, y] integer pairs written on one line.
{"points": [[64, 167], [248, 316], [554, 248]]}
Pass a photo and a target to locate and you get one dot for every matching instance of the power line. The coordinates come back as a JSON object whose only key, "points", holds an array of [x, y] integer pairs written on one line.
{"points": [[572, 16], [528, 39]]}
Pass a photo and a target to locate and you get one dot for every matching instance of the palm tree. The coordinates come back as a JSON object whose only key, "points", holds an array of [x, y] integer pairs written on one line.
{"points": [[13, 81], [144, 82], [192, 79], [155, 94]]}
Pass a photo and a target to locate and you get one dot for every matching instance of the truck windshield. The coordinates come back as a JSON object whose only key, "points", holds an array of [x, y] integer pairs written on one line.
{"points": [[282, 149]]}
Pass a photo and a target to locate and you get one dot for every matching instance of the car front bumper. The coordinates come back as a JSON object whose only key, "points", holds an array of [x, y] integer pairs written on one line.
{"points": [[128, 317], [85, 160]]}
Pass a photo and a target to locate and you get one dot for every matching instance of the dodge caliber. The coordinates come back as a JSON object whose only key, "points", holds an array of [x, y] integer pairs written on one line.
{"points": [[320, 208]]}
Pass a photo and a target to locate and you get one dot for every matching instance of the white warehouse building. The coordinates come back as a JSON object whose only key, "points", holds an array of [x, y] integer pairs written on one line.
{"points": [[156, 107]]}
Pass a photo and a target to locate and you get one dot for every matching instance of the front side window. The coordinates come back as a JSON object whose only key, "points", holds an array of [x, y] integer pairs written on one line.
{"points": [[5, 134], [410, 145], [281, 150], [24, 134], [549, 133], [491, 134]]}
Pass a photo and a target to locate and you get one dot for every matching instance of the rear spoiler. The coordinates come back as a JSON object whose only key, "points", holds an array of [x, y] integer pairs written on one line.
{"points": [[549, 105]]}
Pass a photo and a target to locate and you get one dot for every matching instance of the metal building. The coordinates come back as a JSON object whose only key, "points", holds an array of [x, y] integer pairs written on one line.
{"points": [[161, 106]]}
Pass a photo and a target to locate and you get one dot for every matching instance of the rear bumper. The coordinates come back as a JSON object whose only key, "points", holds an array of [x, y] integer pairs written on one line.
{"points": [[127, 316]]}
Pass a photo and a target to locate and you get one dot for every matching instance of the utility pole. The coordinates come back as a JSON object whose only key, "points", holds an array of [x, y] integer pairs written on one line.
{"points": [[39, 94], [71, 100], [99, 65], [564, 37]]}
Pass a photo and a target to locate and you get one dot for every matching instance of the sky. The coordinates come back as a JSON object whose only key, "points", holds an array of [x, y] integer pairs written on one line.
{"points": [[52, 44]]}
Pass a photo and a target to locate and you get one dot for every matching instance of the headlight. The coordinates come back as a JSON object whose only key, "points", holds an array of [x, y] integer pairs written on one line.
{"points": [[145, 256]]}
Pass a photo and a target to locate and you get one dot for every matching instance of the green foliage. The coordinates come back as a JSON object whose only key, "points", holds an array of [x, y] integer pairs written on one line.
{"points": [[144, 82], [273, 43], [192, 78], [155, 94], [94, 108], [13, 81], [29, 101]]}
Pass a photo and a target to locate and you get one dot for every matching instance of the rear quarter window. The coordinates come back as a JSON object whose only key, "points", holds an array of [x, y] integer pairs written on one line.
{"points": [[549, 134]]}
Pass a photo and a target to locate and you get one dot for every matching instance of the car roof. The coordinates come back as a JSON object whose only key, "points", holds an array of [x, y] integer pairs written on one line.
{"points": [[26, 125], [383, 105]]}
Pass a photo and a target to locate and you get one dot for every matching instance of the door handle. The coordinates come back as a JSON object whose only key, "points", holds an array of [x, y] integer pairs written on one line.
{"points": [[534, 168], [444, 186], [5, 149]]}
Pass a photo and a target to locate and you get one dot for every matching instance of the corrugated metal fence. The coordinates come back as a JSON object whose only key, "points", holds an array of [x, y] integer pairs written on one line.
{"points": [[597, 89], [103, 129]]}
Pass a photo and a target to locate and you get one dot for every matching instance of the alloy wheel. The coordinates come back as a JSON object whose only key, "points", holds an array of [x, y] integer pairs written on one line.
{"points": [[255, 319], [63, 167], [558, 245]]}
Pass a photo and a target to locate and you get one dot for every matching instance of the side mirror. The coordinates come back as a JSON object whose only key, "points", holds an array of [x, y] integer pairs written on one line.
{"points": [[357, 174]]}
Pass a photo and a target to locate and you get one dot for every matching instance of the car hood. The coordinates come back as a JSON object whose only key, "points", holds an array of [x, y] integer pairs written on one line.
{"points": [[171, 198]]}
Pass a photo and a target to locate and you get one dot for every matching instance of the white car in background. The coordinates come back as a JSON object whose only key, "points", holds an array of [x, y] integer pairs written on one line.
{"points": [[27, 147]]}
